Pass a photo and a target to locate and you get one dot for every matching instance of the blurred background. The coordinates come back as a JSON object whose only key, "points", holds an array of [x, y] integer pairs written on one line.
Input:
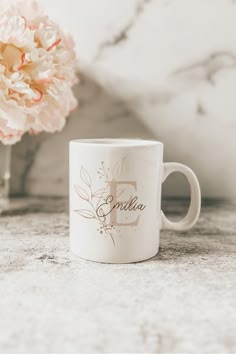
{"points": [[156, 69]]}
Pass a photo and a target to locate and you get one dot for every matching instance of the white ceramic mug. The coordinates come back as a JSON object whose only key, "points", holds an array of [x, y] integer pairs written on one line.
{"points": [[115, 199]]}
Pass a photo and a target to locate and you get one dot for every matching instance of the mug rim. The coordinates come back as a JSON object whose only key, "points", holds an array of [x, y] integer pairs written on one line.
{"points": [[116, 142]]}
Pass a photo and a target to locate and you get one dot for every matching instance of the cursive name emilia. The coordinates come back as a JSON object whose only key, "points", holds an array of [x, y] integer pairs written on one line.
{"points": [[111, 205]]}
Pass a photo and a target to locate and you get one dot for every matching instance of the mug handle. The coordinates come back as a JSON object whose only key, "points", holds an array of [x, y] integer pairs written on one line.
{"points": [[195, 204]]}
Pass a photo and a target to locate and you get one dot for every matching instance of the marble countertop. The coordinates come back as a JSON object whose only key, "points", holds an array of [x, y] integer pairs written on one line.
{"points": [[152, 69], [181, 301]]}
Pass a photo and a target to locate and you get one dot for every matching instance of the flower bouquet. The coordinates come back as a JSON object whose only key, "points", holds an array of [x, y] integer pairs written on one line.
{"points": [[37, 73]]}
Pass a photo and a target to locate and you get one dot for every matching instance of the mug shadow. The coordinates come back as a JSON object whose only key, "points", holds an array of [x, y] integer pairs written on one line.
{"points": [[178, 251]]}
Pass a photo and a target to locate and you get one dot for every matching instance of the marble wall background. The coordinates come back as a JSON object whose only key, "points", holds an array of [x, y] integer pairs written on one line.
{"points": [[161, 69]]}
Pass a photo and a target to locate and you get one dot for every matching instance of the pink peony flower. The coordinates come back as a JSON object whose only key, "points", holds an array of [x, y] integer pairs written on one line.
{"points": [[37, 73]]}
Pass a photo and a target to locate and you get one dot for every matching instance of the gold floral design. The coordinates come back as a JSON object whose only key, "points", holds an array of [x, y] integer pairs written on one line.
{"points": [[93, 198]]}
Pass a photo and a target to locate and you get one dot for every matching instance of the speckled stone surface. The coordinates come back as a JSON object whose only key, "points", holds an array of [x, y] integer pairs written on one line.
{"points": [[181, 301]]}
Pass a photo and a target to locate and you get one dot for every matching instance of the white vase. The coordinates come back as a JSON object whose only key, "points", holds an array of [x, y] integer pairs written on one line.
{"points": [[5, 168]]}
